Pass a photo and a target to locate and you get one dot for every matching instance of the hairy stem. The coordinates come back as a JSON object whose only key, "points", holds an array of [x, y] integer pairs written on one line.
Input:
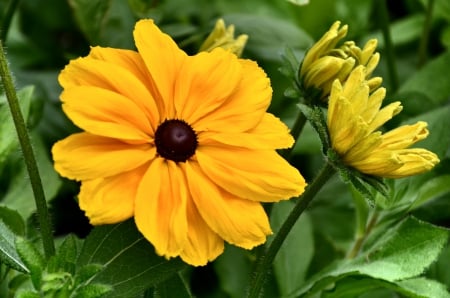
{"points": [[28, 154]]}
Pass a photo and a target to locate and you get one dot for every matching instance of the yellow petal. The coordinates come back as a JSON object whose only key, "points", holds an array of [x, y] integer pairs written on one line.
{"points": [[112, 77], [245, 107], [206, 81], [106, 113], [203, 244], [270, 133], [110, 200], [163, 59], [404, 136], [260, 175], [160, 210], [240, 222], [415, 161], [84, 156], [385, 114]]}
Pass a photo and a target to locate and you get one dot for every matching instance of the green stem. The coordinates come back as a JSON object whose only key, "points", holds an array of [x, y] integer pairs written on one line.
{"points": [[9, 12], [356, 247], [265, 261], [28, 154], [426, 31], [296, 130], [388, 47]]}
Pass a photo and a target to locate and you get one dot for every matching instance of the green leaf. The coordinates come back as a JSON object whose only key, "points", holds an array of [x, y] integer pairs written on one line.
{"points": [[90, 15], [20, 195], [8, 252], [13, 220], [173, 287], [430, 81], [422, 287], [8, 135], [234, 268], [298, 246], [130, 264], [299, 2], [269, 35], [86, 272], [354, 286], [28, 294], [66, 256], [432, 189], [32, 258], [405, 251], [93, 291]]}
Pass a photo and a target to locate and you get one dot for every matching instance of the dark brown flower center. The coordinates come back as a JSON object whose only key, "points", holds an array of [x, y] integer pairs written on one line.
{"points": [[175, 140]]}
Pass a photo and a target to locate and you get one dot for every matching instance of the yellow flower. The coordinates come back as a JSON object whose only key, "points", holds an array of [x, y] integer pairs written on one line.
{"points": [[222, 37], [325, 62], [181, 143], [354, 118]]}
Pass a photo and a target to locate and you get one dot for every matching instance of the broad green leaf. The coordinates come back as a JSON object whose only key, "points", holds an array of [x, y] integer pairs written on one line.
{"points": [[90, 16], [173, 287], [294, 257], [405, 251], [269, 35], [130, 264], [354, 286], [105, 22], [432, 189], [8, 252], [422, 287], [234, 268], [8, 135], [20, 195], [430, 81], [13, 220]]}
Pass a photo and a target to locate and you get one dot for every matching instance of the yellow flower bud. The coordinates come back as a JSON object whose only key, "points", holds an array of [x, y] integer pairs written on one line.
{"points": [[223, 37]]}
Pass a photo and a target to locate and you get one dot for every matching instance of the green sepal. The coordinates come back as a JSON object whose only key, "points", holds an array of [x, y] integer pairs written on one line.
{"points": [[316, 117]]}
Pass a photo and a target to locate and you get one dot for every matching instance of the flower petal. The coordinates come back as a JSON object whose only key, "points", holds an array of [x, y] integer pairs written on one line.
{"points": [[240, 222], [163, 59], [106, 113], [160, 210], [260, 175], [245, 107], [113, 77], [206, 81], [83, 156], [203, 244], [270, 133], [110, 200], [415, 161]]}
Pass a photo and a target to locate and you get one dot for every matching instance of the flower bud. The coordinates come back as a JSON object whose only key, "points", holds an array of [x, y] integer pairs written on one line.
{"points": [[223, 37]]}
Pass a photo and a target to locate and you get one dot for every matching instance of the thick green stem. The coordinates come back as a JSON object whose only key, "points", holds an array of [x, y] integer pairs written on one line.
{"points": [[7, 17], [264, 263], [296, 130], [426, 31], [388, 47], [28, 154]]}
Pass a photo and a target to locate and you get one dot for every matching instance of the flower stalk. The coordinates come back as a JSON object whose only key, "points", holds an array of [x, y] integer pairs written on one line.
{"points": [[28, 154], [265, 261]]}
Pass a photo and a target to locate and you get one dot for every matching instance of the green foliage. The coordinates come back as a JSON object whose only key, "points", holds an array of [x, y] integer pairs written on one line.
{"points": [[363, 238], [130, 264]]}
